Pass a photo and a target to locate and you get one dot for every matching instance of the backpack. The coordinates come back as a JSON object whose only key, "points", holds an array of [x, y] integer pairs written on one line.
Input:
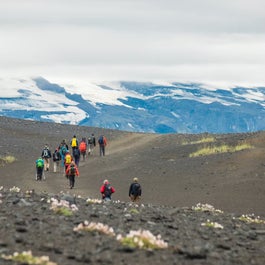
{"points": [[39, 163], [136, 189], [82, 147], [107, 191], [56, 156], [89, 140], [101, 140], [63, 150], [74, 142], [45, 153], [72, 170], [68, 159]]}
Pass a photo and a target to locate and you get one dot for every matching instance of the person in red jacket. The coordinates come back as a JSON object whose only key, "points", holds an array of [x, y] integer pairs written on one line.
{"points": [[71, 172], [106, 190]]}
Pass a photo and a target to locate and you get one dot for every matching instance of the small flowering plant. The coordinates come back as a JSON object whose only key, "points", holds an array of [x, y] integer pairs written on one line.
{"points": [[92, 226], [26, 257], [208, 223], [28, 193], [93, 201], [62, 207], [14, 189], [251, 218], [143, 239], [205, 208]]}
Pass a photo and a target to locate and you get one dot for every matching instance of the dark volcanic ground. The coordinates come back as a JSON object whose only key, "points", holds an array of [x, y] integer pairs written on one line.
{"points": [[172, 183], [233, 182]]}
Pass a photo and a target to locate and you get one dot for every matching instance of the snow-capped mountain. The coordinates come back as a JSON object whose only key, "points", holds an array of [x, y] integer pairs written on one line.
{"points": [[135, 106]]}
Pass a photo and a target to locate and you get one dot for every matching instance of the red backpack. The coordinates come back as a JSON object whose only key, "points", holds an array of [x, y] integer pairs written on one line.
{"points": [[82, 147]]}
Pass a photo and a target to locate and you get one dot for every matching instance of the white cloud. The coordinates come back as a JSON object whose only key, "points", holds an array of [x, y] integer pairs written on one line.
{"points": [[208, 41]]}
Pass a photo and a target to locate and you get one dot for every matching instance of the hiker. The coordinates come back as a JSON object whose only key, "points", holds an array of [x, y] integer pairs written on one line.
{"points": [[93, 140], [72, 172], [82, 148], [135, 190], [74, 143], [39, 168], [67, 160], [56, 157], [106, 190], [91, 143], [102, 141], [63, 148], [46, 155], [65, 144], [76, 155]]}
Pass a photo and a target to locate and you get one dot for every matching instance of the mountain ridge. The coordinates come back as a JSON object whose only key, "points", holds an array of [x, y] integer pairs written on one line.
{"points": [[139, 107]]}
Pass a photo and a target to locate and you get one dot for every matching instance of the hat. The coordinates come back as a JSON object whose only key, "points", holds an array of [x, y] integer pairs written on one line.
{"points": [[135, 179], [105, 181]]}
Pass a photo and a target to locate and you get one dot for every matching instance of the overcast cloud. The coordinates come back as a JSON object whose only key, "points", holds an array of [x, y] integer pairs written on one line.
{"points": [[207, 41]]}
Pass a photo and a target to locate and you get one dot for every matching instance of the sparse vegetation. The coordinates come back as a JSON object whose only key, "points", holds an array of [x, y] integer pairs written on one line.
{"points": [[210, 150], [62, 207], [26, 257], [134, 211], [92, 226], [205, 208], [15, 189], [208, 223], [143, 239], [94, 201], [203, 140], [251, 218], [7, 160]]}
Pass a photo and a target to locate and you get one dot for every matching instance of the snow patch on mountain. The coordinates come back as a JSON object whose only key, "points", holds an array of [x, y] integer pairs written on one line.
{"points": [[158, 107]]}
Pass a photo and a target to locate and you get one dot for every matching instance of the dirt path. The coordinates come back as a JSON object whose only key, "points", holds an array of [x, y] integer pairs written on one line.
{"points": [[93, 168]]}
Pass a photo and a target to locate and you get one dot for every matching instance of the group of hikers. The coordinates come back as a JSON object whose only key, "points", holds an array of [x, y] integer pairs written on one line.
{"points": [[69, 161]]}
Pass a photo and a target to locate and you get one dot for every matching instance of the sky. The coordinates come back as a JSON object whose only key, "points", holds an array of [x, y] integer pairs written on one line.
{"points": [[219, 43]]}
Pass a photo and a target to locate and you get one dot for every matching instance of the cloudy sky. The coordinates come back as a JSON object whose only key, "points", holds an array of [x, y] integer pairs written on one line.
{"points": [[208, 41]]}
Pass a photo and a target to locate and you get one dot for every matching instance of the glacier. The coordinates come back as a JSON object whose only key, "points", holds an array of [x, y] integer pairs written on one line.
{"points": [[136, 106]]}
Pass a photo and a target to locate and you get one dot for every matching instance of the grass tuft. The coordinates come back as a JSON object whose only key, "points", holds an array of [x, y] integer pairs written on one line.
{"points": [[210, 150], [6, 160], [201, 141]]}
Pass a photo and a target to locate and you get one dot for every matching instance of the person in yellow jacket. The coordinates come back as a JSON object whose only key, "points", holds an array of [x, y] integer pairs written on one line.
{"points": [[67, 160], [74, 143]]}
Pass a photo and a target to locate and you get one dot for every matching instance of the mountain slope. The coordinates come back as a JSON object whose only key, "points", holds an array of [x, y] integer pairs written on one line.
{"points": [[137, 107]]}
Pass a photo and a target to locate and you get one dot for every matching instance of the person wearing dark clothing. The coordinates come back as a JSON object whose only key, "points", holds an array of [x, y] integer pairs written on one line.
{"points": [[93, 139], [56, 157], [102, 141], [135, 191], [106, 190], [76, 155], [72, 172], [91, 143], [46, 155]]}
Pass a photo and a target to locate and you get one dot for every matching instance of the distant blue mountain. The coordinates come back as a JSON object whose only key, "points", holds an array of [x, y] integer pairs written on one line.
{"points": [[174, 108]]}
